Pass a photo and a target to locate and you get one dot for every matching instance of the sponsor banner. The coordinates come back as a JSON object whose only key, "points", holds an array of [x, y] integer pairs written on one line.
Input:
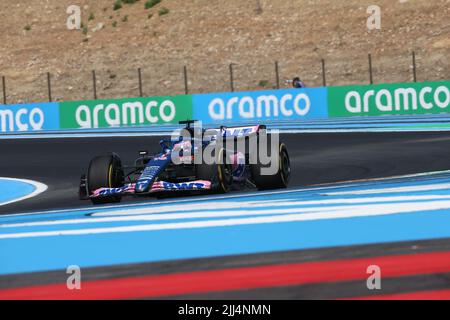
{"points": [[231, 108], [389, 99], [293, 104], [125, 112], [29, 117]]}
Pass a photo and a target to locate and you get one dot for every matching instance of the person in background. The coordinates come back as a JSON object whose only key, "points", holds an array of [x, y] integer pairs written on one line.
{"points": [[297, 83]]}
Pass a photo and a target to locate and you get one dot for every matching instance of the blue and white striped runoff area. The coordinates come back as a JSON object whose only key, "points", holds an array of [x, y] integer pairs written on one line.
{"points": [[413, 207]]}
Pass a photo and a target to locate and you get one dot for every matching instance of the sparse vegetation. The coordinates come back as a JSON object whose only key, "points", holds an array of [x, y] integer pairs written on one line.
{"points": [[117, 5], [130, 1], [151, 3], [199, 38], [27, 27], [91, 16], [163, 11], [114, 24], [85, 30], [259, 8], [263, 83], [125, 18]]}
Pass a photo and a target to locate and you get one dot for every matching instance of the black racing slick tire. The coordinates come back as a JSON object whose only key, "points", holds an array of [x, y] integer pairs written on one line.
{"points": [[280, 179], [219, 173], [105, 172]]}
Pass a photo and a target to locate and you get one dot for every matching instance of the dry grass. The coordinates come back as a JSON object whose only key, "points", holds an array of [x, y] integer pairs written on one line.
{"points": [[208, 35]]}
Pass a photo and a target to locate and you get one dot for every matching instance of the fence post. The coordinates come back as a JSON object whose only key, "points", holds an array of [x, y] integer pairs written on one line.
{"points": [[94, 83], [186, 88], [140, 82], [324, 79], [414, 66], [277, 74], [4, 89], [370, 69], [231, 78], [259, 8], [49, 85]]}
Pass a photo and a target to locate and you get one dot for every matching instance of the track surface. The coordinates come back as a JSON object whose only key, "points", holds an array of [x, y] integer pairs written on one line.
{"points": [[316, 158]]}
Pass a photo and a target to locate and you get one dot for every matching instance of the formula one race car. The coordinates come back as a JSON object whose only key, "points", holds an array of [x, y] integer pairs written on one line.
{"points": [[195, 161]]}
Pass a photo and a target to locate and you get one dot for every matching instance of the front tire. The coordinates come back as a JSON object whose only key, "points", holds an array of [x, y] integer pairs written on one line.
{"points": [[105, 172], [219, 173]]}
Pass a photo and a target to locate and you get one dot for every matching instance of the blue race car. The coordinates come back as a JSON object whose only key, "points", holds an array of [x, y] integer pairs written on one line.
{"points": [[176, 169]]}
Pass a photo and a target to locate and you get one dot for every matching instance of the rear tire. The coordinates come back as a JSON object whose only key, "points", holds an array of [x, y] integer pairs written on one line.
{"points": [[105, 172], [219, 173], [279, 180]]}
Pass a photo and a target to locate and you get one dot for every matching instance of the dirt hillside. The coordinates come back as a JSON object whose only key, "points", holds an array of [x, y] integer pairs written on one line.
{"points": [[208, 35]]}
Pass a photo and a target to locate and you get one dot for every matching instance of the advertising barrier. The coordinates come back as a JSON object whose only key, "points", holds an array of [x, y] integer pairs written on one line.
{"points": [[29, 117], [294, 104], [125, 112], [389, 99]]}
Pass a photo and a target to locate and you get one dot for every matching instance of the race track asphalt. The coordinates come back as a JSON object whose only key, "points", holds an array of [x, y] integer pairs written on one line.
{"points": [[315, 158]]}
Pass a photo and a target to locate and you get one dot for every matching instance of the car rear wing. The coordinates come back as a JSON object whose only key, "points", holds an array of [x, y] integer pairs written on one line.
{"points": [[230, 132]]}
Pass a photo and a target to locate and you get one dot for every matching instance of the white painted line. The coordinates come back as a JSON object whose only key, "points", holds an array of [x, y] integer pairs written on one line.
{"points": [[310, 188], [413, 175], [176, 201], [418, 188], [84, 135], [39, 188], [355, 212], [165, 133], [369, 130], [156, 214]]}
